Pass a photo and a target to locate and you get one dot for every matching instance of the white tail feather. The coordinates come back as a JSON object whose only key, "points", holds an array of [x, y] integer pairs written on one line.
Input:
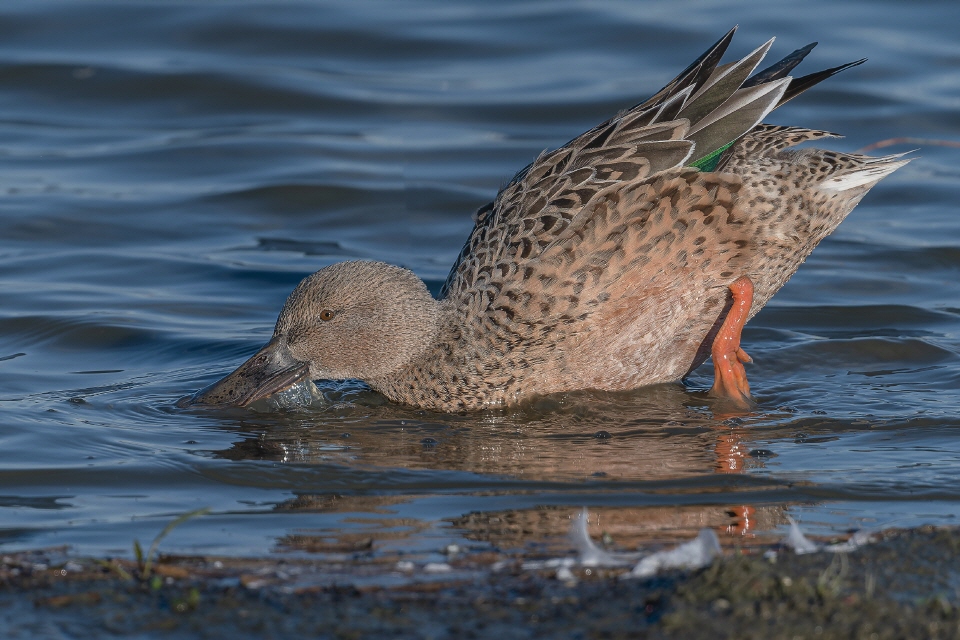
{"points": [[867, 176]]}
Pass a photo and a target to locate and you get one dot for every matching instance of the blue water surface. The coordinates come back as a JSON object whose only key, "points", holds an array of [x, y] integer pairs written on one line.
{"points": [[170, 170]]}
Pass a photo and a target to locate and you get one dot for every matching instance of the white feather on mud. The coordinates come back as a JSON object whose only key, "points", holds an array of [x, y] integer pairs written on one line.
{"points": [[694, 554], [801, 544]]}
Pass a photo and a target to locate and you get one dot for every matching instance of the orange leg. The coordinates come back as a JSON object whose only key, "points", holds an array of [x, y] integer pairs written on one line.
{"points": [[729, 376]]}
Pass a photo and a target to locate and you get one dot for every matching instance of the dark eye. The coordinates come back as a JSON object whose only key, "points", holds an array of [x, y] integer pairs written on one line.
{"points": [[326, 315]]}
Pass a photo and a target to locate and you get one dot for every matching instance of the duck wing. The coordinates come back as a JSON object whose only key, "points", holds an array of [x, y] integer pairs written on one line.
{"points": [[691, 121], [624, 240]]}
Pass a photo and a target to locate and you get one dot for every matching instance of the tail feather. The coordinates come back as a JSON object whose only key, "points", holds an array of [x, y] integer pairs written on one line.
{"points": [[863, 172]]}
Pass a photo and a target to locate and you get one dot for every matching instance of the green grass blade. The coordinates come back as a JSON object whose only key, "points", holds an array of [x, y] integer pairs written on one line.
{"points": [[147, 565]]}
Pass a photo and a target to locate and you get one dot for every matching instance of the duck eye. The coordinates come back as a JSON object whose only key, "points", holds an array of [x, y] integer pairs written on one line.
{"points": [[326, 315]]}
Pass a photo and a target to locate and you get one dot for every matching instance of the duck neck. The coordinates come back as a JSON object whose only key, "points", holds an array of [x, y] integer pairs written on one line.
{"points": [[424, 373]]}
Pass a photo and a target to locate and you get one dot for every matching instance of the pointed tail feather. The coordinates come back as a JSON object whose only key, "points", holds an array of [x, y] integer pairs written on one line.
{"points": [[865, 173]]}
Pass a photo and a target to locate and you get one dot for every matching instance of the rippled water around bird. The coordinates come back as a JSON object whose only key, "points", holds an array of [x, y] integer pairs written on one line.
{"points": [[169, 171]]}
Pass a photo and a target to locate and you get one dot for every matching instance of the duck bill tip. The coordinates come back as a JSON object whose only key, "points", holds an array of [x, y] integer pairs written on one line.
{"points": [[269, 371]]}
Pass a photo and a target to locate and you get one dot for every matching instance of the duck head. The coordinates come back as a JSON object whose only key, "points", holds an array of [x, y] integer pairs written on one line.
{"points": [[352, 320]]}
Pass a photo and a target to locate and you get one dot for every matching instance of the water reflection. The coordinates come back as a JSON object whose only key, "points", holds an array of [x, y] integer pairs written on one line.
{"points": [[666, 441], [158, 211], [653, 434]]}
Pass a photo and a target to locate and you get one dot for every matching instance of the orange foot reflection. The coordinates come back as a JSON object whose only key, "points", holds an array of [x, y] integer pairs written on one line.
{"points": [[731, 456], [743, 520]]}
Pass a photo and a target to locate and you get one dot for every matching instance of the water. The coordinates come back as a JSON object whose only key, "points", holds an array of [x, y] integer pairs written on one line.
{"points": [[169, 171]]}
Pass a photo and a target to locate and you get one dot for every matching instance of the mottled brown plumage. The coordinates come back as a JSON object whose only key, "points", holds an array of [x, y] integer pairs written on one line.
{"points": [[604, 264]]}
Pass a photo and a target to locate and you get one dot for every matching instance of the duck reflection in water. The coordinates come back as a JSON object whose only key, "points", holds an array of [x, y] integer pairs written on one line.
{"points": [[661, 441]]}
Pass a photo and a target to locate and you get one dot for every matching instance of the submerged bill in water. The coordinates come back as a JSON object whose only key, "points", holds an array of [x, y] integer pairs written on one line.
{"points": [[301, 393], [271, 379]]}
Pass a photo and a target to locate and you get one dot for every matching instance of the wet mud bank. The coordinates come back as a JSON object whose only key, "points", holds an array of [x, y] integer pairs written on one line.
{"points": [[904, 584]]}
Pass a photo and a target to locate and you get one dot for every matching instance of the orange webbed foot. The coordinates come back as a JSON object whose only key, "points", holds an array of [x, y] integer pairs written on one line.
{"points": [[729, 376]]}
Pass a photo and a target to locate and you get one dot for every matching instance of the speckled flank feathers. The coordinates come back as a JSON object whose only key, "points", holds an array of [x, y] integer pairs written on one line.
{"points": [[604, 264]]}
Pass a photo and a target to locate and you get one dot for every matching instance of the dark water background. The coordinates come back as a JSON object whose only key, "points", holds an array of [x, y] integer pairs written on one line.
{"points": [[169, 171]]}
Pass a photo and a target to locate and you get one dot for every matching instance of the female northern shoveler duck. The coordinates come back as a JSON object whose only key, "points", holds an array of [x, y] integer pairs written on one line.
{"points": [[624, 258]]}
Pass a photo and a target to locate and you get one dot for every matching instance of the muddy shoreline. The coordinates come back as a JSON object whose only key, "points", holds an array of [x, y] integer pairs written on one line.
{"points": [[906, 583]]}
